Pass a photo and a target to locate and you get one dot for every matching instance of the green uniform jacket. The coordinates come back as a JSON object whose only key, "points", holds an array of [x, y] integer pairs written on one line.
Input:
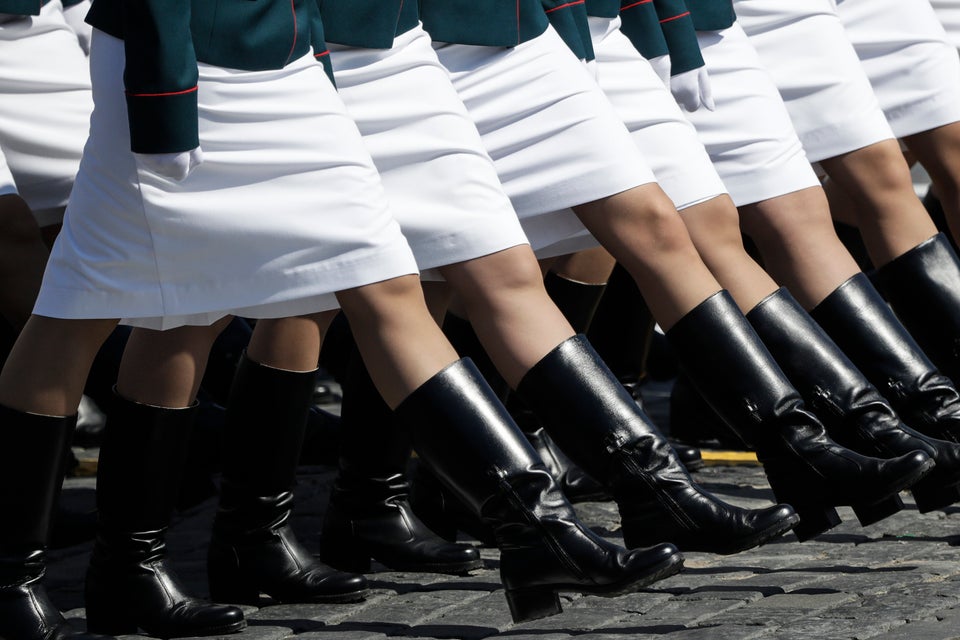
{"points": [[22, 7], [569, 19], [370, 24], [491, 23], [164, 40]]}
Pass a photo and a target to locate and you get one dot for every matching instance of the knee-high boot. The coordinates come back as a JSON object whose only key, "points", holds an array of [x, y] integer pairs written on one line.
{"points": [[595, 420], [253, 548], [574, 482], [32, 478], [369, 515], [622, 333], [865, 328], [923, 287], [853, 411], [728, 364], [465, 435], [128, 584]]}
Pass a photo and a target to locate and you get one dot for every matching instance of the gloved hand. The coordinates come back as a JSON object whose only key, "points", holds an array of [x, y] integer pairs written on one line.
{"points": [[176, 166], [661, 64], [691, 89]]}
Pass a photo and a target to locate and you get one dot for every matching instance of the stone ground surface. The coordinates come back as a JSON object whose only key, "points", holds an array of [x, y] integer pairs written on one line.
{"points": [[899, 578]]}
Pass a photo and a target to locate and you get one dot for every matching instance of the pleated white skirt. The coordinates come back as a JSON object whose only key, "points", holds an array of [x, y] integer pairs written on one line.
{"points": [[286, 209], [441, 184]]}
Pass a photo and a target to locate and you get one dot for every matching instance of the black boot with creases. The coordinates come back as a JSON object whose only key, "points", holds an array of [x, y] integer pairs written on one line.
{"points": [[592, 416], [129, 586], [726, 361], [466, 436], [253, 549], [853, 411]]}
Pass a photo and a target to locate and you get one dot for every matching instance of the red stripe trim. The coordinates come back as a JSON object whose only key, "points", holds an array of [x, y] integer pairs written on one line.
{"points": [[157, 95], [293, 45], [320, 55], [635, 4], [563, 6], [682, 15]]}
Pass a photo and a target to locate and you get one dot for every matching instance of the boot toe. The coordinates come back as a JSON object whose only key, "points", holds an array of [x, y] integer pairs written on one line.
{"points": [[200, 618], [908, 469]]}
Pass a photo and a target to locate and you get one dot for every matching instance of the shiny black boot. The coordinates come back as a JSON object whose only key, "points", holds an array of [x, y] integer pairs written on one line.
{"points": [[462, 431], [31, 479], [622, 332], [575, 483], [253, 549], [738, 377], [369, 515], [853, 411], [129, 586], [861, 323], [593, 418], [923, 287]]}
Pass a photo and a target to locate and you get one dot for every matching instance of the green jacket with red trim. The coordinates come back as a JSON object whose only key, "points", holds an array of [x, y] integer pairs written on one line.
{"points": [[491, 23], [641, 24], [569, 19], [164, 40], [370, 24]]}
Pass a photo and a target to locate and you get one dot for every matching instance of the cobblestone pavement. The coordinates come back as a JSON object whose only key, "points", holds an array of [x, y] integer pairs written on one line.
{"points": [[899, 578]]}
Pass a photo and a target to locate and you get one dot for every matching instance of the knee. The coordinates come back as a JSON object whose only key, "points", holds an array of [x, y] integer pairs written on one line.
{"points": [[381, 299]]}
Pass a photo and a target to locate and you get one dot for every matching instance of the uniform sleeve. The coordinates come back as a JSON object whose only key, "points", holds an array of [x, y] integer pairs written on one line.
{"points": [[569, 19], [677, 25], [640, 23], [161, 76], [318, 41]]}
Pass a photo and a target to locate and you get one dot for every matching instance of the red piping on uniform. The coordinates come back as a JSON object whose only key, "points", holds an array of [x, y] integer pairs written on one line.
{"points": [[569, 4], [635, 4], [320, 55], [682, 15], [157, 95], [293, 10]]}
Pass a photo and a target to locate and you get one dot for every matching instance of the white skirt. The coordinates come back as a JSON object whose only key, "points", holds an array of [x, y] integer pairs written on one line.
{"points": [[666, 139], [286, 209], [913, 67], [749, 136], [45, 109], [805, 48], [554, 138], [948, 13], [441, 184]]}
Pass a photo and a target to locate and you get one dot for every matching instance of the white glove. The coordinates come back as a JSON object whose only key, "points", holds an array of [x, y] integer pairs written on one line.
{"points": [[176, 166], [661, 64], [691, 89]]}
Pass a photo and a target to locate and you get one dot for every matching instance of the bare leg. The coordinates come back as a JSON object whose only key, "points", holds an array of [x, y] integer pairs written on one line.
{"points": [[642, 230], [890, 217], [938, 150], [401, 345], [48, 366], [22, 259]]}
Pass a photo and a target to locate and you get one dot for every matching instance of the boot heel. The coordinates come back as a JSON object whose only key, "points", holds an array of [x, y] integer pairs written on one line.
{"points": [[814, 520], [868, 514], [532, 604], [931, 498]]}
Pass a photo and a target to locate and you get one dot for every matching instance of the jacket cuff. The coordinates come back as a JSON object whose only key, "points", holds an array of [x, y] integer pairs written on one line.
{"points": [[163, 123]]}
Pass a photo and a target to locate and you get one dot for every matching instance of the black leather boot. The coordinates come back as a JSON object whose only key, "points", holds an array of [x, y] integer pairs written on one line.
{"points": [[128, 584], [853, 411], [575, 483], [622, 333], [462, 431], [253, 549], [923, 287], [31, 479], [592, 417], [369, 515], [738, 377]]}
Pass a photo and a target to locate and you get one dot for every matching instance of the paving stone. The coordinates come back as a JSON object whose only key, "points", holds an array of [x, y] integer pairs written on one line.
{"points": [[779, 609]]}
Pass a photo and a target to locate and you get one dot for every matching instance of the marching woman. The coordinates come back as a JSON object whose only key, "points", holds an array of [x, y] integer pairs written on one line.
{"points": [[157, 236], [855, 413], [827, 90], [535, 106], [751, 141]]}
